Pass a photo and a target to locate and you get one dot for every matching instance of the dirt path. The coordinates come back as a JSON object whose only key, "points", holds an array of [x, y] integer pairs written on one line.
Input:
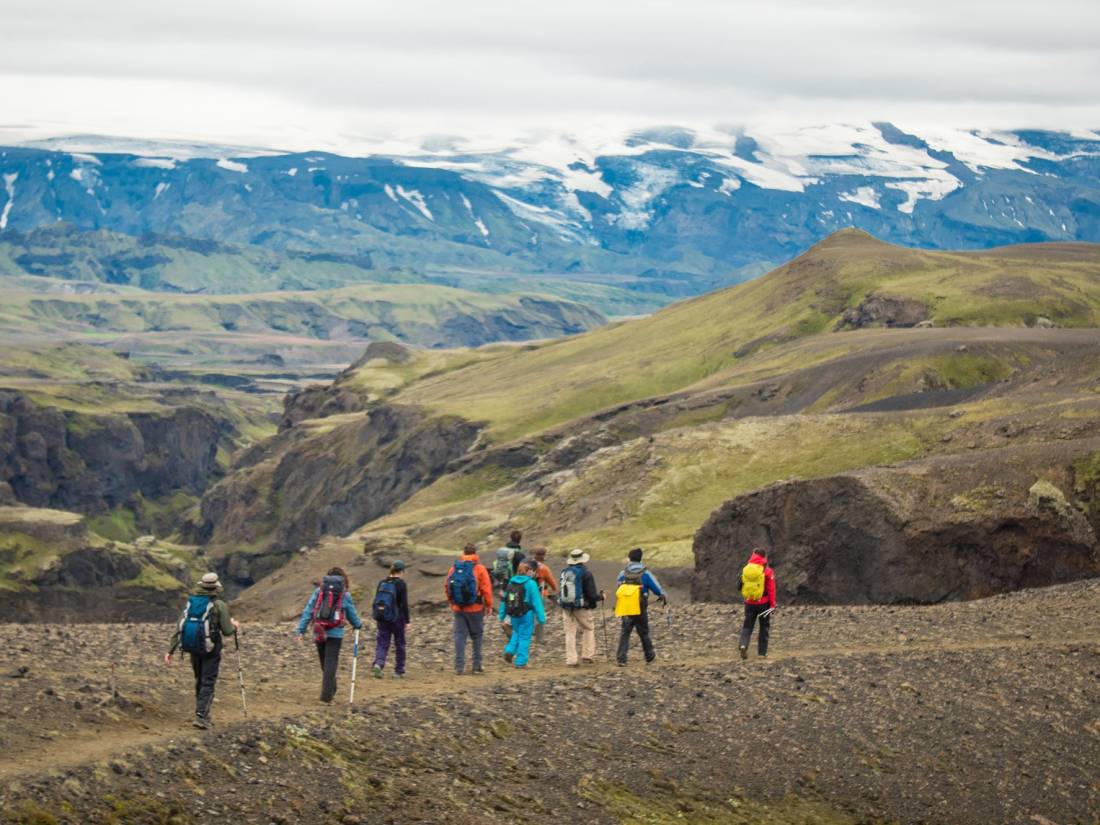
{"points": [[167, 725]]}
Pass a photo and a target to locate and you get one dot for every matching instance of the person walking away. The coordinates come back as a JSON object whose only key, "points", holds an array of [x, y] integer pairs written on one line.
{"points": [[579, 598], [469, 592], [635, 584], [505, 565], [390, 610], [522, 602], [202, 627], [540, 572], [327, 610], [758, 591]]}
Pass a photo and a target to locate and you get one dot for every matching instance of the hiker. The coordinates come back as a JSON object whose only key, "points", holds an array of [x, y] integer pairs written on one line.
{"points": [[578, 597], [505, 566], [636, 582], [391, 613], [540, 572], [470, 593], [203, 625], [522, 603], [758, 591], [327, 610]]}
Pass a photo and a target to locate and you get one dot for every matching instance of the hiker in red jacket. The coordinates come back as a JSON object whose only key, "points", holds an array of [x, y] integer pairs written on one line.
{"points": [[758, 591]]}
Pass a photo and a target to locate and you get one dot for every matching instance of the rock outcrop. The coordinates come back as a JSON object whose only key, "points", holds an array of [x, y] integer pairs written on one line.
{"points": [[959, 527], [90, 463], [315, 479]]}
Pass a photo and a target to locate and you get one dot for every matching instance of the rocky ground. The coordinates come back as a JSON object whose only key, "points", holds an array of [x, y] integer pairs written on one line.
{"points": [[978, 712]]}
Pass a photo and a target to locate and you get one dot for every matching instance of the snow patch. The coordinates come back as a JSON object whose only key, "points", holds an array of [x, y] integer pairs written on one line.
{"points": [[9, 187], [729, 186], [651, 182], [232, 165], [914, 190], [155, 163], [390, 193], [414, 197], [481, 225], [77, 175], [292, 171], [864, 196], [161, 188], [80, 157]]}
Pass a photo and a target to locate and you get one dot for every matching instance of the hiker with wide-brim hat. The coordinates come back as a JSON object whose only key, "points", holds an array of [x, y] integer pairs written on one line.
{"points": [[199, 633], [578, 598]]}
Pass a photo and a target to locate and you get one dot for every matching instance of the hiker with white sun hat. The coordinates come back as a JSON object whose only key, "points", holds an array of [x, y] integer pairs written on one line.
{"points": [[579, 598]]}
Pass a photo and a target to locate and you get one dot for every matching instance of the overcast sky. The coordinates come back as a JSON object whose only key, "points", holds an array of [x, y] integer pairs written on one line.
{"points": [[298, 74]]}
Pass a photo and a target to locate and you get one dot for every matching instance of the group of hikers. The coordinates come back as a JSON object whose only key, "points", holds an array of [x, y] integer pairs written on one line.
{"points": [[520, 585]]}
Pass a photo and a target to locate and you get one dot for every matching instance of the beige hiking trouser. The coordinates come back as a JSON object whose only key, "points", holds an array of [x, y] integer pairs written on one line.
{"points": [[584, 621]]}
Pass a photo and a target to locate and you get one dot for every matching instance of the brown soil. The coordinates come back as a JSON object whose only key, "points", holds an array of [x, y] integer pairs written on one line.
{"points": [[985, 711]]}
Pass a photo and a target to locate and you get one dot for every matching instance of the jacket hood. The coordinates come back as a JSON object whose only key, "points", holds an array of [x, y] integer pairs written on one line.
{"points": [[756, 558], [520, 578]]}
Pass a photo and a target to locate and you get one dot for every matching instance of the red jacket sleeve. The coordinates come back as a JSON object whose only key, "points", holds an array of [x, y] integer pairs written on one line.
{"points": [[769, 586]]}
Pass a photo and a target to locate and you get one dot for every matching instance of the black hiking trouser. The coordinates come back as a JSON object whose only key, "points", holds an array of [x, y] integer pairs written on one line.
{"points": [[752, 612], [640, 623], [328, 652], [205, 666]]}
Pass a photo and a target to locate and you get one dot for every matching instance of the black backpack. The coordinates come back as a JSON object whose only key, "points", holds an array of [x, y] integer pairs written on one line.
{"points": [[385, 608], [515, 599]]}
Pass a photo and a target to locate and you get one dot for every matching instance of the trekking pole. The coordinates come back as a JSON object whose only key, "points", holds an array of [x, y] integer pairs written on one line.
{"points": [[668, 617], [767, 613], [240, 671], [354, 666], [603, 622]]}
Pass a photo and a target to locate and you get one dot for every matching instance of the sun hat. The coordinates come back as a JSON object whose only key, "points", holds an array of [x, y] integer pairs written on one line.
{"points": [[210, 582], [578, 556]]}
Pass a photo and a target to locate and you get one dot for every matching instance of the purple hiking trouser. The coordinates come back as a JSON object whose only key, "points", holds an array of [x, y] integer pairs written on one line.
{"points": [[386, 631]]}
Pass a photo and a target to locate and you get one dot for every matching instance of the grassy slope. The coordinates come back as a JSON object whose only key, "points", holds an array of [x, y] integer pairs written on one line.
{"points": [[524, 392]]}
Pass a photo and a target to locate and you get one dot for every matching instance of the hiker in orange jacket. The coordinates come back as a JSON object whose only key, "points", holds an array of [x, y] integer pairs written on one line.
{"points": [[544, 578], [469, 592], [759, 608]]}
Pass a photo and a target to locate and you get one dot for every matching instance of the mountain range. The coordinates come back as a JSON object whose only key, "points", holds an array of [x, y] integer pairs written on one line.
{"points": [[665, 212]]}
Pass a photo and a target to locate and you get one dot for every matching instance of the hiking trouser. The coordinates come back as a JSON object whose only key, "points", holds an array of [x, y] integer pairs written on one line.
{"points": [[328, 652], [752, 611], [519, 643], [205, 666], [468, 626], [386, 631], [639, 623], [583, 620]]}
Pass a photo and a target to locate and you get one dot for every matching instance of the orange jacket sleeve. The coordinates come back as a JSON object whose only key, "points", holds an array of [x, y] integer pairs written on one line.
{"points": [[547, 578]]}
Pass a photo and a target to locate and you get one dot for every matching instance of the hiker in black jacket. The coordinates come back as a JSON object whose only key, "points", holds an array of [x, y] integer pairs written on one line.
{"points": [[393, 586]]}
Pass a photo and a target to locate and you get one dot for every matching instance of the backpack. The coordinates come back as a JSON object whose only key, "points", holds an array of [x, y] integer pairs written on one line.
{"points": [[515, 599], [503, 568], [628, 596], [384, 608], [752, 582], [328, 612], [571, 587], [195, 636], [462, 584]]}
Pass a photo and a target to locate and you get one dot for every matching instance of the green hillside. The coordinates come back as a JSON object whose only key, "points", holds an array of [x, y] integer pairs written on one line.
{"points": [[524, 392]]}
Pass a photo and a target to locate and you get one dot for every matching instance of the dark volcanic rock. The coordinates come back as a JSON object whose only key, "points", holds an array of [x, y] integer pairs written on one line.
{"points": [[89, 463], [884, 311], [310, 481], [955, 528]]}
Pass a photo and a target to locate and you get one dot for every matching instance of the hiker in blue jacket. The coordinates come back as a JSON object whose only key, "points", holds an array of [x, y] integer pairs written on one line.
{"points": [[522, 603], [638, 573], [327, 610]]}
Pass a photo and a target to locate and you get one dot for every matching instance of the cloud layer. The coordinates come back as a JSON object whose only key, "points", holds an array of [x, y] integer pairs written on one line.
{"points": [[292, 74]]}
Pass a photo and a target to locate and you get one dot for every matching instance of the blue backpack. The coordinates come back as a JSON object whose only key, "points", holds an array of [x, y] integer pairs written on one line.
{"points": [[195, 636], [384, 608], [462, 584]]}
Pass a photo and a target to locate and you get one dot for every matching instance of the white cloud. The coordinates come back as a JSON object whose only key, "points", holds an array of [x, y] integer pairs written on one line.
{"points": [[280, 73]]}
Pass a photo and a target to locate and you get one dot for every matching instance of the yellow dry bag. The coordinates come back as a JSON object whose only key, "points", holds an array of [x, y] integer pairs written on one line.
{"points": [[628, 600], [752, 582]]}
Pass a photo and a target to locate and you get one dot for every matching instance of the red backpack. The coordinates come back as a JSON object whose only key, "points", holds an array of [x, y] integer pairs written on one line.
{"points": [[328, 610]]}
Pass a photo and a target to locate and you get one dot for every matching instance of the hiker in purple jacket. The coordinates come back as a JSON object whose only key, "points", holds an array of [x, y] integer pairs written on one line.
{"points": [[391, 599]]}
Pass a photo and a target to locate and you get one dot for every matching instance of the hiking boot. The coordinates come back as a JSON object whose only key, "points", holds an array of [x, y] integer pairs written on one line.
{"points": [[202, 722], [377, 671], [396, 675], [744, 651], [588, 661], [459, 672], [508, 657], [622, 664], [478, 671]]}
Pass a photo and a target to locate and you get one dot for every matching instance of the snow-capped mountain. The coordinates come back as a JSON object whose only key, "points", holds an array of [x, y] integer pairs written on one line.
{"points": [[690, 208]]}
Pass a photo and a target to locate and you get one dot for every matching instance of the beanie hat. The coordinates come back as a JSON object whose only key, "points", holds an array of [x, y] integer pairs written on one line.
{"points": [[635, 554]]}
